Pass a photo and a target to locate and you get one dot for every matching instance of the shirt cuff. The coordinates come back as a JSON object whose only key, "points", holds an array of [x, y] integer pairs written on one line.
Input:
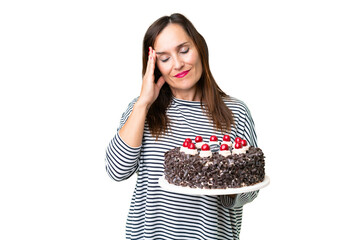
{"points": [[239, 201]]}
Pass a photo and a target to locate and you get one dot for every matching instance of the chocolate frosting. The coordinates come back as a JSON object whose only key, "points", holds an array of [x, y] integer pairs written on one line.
{"points": [[216, 172]]}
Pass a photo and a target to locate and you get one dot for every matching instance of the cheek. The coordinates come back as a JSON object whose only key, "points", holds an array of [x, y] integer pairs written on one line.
{"points": [[195, 61], [164, 69], [193, 58]]}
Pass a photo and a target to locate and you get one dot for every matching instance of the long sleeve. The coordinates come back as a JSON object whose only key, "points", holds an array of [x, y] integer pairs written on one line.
{"points": [[249, 128], [156, 213], [240, 200], [121, 160], [249, 134]]}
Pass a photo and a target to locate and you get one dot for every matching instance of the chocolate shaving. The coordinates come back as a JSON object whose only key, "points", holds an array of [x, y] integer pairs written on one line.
{"points": [[217, 172]]}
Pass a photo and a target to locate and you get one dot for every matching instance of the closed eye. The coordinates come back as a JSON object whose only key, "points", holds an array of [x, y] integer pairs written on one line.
{"points": [[187, 50], [183, 52]]}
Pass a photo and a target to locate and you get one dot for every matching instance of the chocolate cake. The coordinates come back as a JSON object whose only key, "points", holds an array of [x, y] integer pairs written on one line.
{"points": [[216, 170]]}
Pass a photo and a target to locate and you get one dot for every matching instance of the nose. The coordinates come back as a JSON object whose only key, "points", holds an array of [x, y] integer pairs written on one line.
{"points": [[178, 63]]}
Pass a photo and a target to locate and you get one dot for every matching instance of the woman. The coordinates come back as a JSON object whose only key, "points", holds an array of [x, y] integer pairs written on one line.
{"points": [[179, 99]]}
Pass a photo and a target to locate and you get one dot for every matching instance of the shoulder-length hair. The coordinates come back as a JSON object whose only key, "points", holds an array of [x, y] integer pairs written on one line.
{"points": [[211, 95]]}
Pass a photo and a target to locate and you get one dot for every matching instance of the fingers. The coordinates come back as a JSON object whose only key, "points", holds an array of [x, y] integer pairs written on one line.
{"points": [[150, 89], [148, 62], [151, 62], [152, 56], [160, 82]]}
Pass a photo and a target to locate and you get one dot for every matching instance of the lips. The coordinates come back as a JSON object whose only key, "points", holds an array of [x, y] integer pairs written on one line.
{"points": [[182, 74]]}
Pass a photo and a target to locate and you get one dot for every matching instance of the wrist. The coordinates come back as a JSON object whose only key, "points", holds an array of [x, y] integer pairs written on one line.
{"points": [[142, 105]]}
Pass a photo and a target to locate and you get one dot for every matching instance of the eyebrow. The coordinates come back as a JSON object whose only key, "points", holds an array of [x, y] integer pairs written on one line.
{"points": [[177, 47]]}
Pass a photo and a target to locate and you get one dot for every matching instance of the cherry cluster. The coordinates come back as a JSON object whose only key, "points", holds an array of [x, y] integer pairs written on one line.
{"points": [[238, 143]]}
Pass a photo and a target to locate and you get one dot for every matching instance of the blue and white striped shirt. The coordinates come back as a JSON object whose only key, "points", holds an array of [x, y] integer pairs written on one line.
{"points": [[158, 214]]}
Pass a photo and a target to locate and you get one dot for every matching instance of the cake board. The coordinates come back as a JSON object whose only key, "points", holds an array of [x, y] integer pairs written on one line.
{"points": [[165, 185]]}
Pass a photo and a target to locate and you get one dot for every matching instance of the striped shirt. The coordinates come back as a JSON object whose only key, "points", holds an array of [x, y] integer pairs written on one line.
{"points": [[158, 214]]}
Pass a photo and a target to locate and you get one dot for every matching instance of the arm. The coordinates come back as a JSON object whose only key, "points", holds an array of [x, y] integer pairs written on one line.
{"points": [[122, 160], [123, 152], [248, 133], [238, 200], [133, 129]]}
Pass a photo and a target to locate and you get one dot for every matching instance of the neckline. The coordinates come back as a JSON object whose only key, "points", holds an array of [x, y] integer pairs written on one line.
{"points": [[188, 102]]}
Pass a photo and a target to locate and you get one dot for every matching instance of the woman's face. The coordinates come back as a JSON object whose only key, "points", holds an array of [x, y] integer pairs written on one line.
{"points": [[178, 60]]}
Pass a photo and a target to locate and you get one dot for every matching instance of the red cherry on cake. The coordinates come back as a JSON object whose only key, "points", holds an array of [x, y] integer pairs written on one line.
{"points": [[238, 145], [213, 138], [186, 144], [198, 139], [224, 147], [238, 140], [226, 138], [205, 147], [188, 140], [192, 146], [243, 142]]}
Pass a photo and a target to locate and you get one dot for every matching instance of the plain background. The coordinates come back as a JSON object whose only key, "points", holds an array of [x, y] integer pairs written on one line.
{"points": [[68, 70]]}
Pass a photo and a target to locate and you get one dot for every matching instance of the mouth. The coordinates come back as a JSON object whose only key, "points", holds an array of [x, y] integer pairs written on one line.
{"points": [[182, 74]]}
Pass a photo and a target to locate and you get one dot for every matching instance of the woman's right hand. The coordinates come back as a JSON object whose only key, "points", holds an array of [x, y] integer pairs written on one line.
{"points": [[149, 89]]}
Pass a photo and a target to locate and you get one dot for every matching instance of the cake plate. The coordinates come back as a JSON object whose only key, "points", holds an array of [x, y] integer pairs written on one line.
{"points": [[164, 184]]}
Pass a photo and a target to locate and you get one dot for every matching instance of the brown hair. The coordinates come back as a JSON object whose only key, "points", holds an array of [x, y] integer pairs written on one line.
{"points": [[211, 94]]}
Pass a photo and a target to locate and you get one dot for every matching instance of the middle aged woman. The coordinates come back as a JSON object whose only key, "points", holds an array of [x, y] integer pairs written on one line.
{"points": [[179, 99]]}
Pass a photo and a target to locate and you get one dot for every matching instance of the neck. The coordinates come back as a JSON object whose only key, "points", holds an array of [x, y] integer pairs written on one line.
{"points": [[189, 95]]}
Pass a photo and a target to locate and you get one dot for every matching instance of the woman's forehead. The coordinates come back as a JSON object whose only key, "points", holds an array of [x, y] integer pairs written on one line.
{"points": [[170, 38]]}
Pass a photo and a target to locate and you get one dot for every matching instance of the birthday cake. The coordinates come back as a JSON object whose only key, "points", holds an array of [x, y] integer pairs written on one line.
{"points": [[214, 165]]}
